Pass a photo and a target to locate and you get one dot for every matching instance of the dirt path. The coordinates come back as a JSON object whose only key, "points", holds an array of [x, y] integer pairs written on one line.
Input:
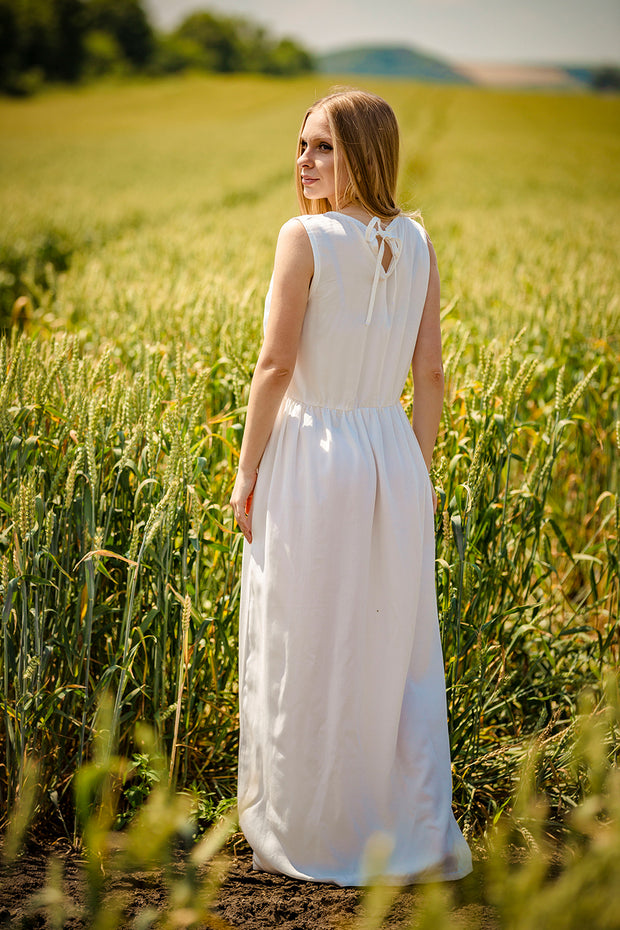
{"points": [[249, 900]]}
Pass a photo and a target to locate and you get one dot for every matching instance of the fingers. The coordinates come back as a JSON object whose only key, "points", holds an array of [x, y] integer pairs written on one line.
{"points": [[245, 526], [246, 529], [241, 501], [248, 503], [243, 517]]}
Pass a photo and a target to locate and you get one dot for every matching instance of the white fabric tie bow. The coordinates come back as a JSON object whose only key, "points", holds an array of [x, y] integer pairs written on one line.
{"points": [[377, 236]]}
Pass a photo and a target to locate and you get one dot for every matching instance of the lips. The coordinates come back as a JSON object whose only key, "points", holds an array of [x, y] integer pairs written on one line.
{"points": [[305, 180]]}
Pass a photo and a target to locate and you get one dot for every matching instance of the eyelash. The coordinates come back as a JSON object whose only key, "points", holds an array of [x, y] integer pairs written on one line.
{"points": [[324, 146]]}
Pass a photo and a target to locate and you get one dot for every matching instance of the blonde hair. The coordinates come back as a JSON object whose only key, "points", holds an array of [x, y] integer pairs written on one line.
{"points": [[366, 144]]}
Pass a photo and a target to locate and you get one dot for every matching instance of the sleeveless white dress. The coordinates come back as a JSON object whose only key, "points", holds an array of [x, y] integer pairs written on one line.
{"points": [[341, 682]]}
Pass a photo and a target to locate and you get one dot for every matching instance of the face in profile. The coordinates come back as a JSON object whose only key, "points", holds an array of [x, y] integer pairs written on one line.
{"points": [[316, 161]]}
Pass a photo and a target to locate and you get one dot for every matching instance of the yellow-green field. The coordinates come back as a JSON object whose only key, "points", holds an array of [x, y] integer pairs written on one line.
{"points": [[138, 227]]}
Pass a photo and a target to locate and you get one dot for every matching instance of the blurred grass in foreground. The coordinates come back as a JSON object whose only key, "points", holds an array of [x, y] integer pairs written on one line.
{"points": [[522, 878]]}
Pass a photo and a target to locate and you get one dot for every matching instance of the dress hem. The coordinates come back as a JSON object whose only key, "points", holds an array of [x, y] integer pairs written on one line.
{"points": [[425, 876]]}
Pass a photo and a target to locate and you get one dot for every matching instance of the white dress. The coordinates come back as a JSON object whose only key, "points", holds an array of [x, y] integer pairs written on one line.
{"points": [[341, 682]]}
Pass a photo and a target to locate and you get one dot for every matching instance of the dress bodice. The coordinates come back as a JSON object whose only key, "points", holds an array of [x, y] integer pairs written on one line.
{"points": [[362, 320]]}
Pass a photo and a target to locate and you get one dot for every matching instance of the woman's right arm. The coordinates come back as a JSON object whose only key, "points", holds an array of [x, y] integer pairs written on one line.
{"points": [[292, 274], [427, 368]]}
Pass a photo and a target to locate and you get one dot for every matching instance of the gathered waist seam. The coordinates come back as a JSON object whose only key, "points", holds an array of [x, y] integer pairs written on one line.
{"points": [[303, 403]]}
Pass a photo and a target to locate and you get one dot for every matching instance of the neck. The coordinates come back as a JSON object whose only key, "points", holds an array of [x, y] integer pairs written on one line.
{"points": [[360, 213], [356, 210]]}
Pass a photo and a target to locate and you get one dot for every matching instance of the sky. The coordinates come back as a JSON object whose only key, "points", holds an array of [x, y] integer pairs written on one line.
{"points": [[514, 31]]}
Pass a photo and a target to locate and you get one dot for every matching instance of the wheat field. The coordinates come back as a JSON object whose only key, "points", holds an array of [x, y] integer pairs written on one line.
{"points": [[139, 222]]}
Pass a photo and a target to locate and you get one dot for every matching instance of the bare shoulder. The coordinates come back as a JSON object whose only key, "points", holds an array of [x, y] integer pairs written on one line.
{"points": [[420, 229], [431, 250], [433, 268], [293, 233], [294, 245]]}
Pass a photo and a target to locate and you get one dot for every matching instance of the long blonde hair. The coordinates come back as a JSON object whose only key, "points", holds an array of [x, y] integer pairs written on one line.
{"points": [[366, 145]]}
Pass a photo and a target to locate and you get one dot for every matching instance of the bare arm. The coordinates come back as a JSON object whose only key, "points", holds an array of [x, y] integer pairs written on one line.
{"points": [[293, 270], [427, 368]]}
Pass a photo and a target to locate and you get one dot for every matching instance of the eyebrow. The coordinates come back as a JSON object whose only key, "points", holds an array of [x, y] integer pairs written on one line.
{"points": [[317, 139]]}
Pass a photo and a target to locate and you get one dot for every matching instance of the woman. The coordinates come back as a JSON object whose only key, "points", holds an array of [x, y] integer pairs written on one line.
{"points": [[342, 694]]}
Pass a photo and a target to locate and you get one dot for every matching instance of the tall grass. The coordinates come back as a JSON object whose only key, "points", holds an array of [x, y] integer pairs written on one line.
{"points": [[118, 553], [122, 398]]}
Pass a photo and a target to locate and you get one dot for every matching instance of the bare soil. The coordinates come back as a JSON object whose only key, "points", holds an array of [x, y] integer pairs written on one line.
{"points": [[247, 899]]}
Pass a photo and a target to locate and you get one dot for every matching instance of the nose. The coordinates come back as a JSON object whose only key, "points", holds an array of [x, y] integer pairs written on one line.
{"points": [[304, 159]]}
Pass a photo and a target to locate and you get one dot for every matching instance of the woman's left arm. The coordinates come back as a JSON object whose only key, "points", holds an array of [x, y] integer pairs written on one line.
{"points": [[292, 274]]}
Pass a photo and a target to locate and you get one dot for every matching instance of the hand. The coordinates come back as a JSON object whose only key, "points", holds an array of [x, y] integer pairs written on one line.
{"points": [[241, 500]]}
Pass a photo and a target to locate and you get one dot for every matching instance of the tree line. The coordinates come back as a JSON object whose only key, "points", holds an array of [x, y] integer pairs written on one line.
{"points": [[71, 40]]}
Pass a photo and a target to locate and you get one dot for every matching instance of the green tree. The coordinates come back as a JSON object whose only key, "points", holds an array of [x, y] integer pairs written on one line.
{"points": [[69, 47], [9, 38], [238, 44], [254, 45], [103, 54], [128, 23], [287, 57], [41, 35], [62, 40], [607, 77], [174, 53], [217, 36]]}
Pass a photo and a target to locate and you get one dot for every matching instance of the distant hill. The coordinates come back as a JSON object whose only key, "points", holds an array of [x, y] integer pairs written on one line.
{"points": [[389, 61], [406, 62]]}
